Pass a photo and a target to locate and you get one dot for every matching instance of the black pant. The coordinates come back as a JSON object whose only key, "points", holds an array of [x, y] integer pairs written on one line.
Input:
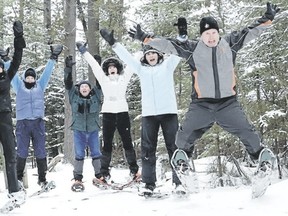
{"points": [[7, 139], [149, 136], [121, 121], [227, 113]]}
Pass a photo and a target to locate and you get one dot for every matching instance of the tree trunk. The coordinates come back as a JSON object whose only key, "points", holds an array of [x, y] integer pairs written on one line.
{"points": [[70, 38]]}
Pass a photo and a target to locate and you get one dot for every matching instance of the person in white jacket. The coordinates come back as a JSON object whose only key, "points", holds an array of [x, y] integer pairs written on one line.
{"points": [[159, 105], [113, 81]]}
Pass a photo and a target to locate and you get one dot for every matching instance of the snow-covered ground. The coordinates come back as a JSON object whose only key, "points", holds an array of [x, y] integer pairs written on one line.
{"points": [[225, 201]]}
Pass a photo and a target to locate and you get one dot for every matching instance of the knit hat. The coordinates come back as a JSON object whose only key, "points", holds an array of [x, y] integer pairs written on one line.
{"points": [[30, 72], [112, 61], [84, 82], [207, 23]]}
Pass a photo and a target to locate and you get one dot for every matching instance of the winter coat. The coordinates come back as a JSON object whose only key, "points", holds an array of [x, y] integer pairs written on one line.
{"points": [[5, 80], [213, 75], [85, 111], [30, 103], [157, 82], [114, 91]]}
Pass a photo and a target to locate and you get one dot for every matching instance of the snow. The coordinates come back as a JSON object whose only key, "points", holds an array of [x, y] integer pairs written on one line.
{"points": [[223, 201]]}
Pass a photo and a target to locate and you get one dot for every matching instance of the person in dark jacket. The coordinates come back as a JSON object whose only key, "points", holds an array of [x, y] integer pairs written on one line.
{"points": [[16, 193], [30, 110], [85, 103], [214, 96]]}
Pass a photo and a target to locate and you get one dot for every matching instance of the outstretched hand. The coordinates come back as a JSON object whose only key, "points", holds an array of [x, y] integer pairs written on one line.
{"points": [[271, 11], [108, 36], [4, 54], [138, 33], [81, 46], [55, 51], [182, 26], [18, 29], [69, 61]]}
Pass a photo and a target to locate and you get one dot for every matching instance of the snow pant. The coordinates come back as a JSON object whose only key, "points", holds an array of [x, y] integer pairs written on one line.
{"points": [[149, 135], [7, 139], [83, 139], [228, 114], [121, 122], [78, 168], [33, 130]]}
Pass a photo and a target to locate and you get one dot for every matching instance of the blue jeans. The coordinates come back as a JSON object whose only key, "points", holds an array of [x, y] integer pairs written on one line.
{"points": [[82, 139]]}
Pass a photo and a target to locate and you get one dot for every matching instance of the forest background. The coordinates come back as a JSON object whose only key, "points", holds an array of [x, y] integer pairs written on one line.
{"points": [[261, 68]]}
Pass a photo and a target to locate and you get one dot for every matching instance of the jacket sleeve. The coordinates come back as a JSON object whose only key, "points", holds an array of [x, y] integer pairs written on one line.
{"points": [[15, 63], [46, 75], [96, 68], [68, 80], [126, 57], [237, 39]]}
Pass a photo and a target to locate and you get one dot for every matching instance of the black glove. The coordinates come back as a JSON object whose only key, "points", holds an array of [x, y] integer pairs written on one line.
{"points": [[55, 51], [69, 61], [19, 41], [98, 58], [182, 26], [18, 29], [4, 54], [81, 46], [108, 36], [270, 13], [138, 34]]}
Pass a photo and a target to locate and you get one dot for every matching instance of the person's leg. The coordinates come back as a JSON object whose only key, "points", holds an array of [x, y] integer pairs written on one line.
{"points": [[149, 134], [38, 142], [123, 127], [169, 125], [8, 142], [79, 149], [109, 127], [94, 146], [231, 117], [198, 119], [23, 136]]}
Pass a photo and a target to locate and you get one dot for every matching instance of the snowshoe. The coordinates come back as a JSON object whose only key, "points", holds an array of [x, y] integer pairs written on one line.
{"points": [[78, 186], [185, 171], [262, 177]]}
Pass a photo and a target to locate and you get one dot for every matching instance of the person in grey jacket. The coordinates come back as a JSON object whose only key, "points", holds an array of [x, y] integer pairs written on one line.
{"points": [[214, 96], [114, 81], [159, 105], [85, 103]]}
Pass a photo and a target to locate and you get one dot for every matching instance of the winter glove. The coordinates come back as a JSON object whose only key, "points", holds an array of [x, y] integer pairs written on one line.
{"points": [[18, 29], [182, 26], [55, 51], [98, 58], [4, 54], [138, 34], [19, 41], [270, 13], [69, 61], [108, 36], [81, 46]]}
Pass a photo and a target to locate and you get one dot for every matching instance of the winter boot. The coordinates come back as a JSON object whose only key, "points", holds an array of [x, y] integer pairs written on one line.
{"points": [[78, 186]]}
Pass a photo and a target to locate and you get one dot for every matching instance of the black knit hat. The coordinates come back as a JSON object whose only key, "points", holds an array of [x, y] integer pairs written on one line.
{"points": [[112, 61], [30, 72], [84, 82], [207, 23]]}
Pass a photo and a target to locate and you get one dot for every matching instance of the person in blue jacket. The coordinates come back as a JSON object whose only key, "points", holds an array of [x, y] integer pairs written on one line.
{"points": [[30, 110], [159, 105]]}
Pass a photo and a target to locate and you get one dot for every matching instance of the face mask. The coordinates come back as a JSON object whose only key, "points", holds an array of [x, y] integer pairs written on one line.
{"points": [[29, 85]]}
